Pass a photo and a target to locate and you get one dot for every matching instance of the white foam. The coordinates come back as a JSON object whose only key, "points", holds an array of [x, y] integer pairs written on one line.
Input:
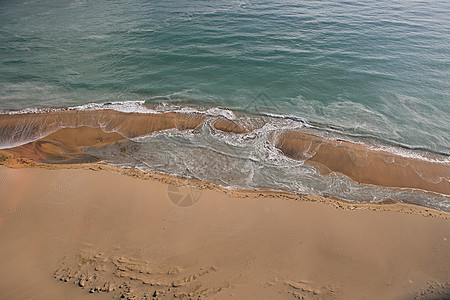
{"points": [[408, 153], [220, 111], [121, 106], [280, 122], [214, 111], [292, 118]]}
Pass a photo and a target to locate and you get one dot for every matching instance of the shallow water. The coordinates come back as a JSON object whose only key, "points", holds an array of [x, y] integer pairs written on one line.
{"points": [[271, 153]]}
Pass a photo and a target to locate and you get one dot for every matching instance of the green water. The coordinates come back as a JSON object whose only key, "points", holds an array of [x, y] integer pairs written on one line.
{"points": [[372, 71], [371, 68]]}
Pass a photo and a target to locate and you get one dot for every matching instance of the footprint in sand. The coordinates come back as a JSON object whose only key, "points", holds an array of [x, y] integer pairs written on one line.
{"points": [[301, 289], [183, 196], [127, 278], [434, 290]]}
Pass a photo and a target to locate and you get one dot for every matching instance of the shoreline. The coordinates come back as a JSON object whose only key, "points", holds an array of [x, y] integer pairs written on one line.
{"points": [[70, 135], [340, 204]]}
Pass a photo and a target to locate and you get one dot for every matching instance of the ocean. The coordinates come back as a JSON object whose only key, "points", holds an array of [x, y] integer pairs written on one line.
{"points": [[374, 73]]}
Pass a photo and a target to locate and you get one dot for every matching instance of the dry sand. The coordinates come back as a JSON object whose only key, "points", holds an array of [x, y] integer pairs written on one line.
{"points": [[66, 232]]}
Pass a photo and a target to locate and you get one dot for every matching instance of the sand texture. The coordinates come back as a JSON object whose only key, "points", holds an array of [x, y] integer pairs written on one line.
{"points": [[57, 137], [83, 234], [364, 165], [72, 227]]}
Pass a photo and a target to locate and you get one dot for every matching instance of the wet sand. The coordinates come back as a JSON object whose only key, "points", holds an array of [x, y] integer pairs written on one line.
{"points": [[79, 234], [58, 137], [16, 128], [364, 165]]}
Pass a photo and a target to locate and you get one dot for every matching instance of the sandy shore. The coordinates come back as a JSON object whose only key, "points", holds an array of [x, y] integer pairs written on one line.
{"points": [[58, 137], [365, 165], [64, 233]]}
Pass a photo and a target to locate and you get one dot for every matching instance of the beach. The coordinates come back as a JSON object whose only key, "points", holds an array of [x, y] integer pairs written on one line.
{"points": [[78, 221], [224, 150], [246, 153], [80, 233]]}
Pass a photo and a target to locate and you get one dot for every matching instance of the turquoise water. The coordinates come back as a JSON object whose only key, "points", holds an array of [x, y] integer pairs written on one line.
{"points": [[370, 68], [376, 71]]}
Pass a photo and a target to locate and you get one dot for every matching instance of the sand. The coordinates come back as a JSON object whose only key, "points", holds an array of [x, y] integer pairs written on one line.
{"points": [[365, 165], [57, 137], [83, 234], [19, 128], [73, 228]]}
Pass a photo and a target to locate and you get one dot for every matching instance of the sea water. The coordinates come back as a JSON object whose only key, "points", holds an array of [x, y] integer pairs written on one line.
{"points": [[373, 72]]}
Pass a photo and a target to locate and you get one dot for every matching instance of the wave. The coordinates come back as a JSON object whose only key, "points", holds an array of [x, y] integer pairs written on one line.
{"points": [[218, 146], [365, 165], [23, 127]]}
